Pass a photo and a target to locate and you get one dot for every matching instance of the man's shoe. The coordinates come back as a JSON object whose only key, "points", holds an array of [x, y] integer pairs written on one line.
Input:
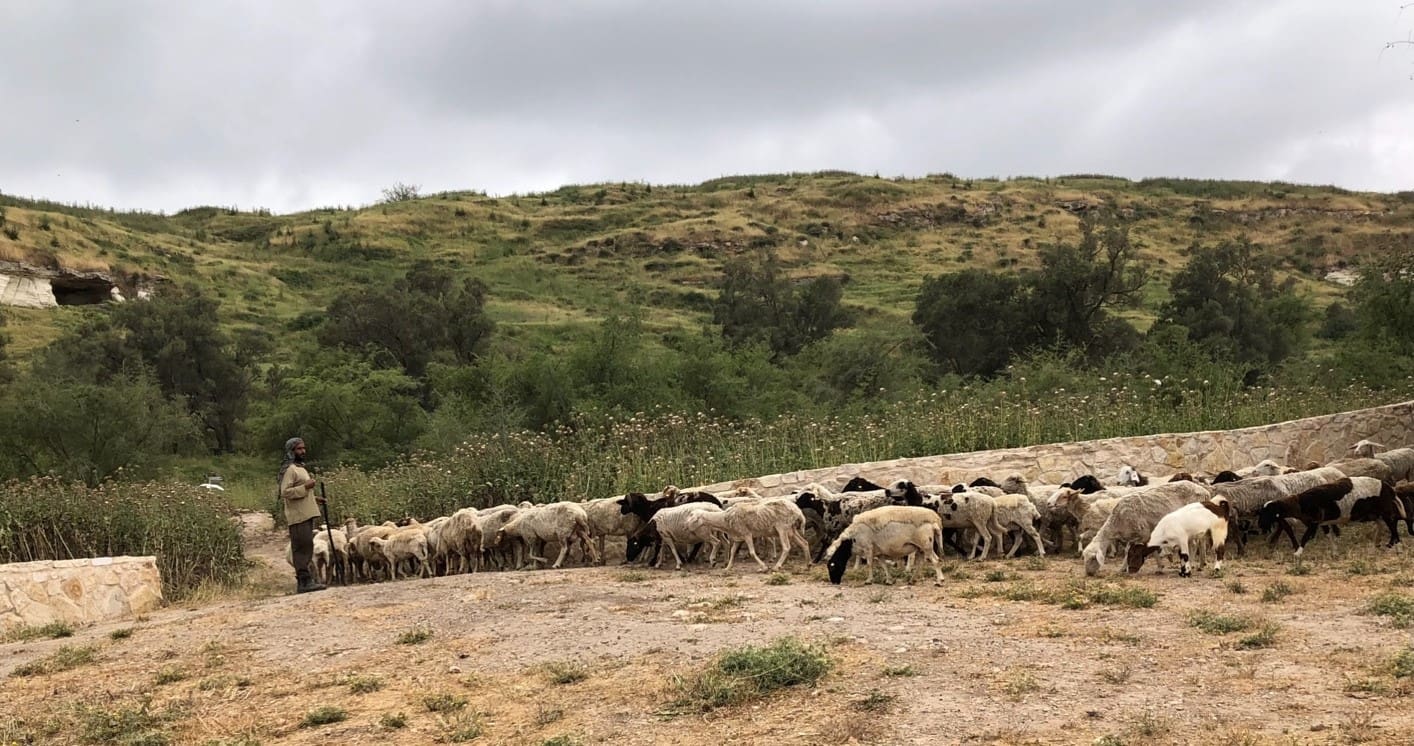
{"points": [[305, 583]]}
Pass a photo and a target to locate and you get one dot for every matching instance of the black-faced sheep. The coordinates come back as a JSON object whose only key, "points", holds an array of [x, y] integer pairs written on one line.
{"points": [[889, 532]]}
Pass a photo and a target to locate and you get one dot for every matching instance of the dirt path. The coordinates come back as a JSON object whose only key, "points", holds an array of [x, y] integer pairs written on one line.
{"points": [[589, 655]]}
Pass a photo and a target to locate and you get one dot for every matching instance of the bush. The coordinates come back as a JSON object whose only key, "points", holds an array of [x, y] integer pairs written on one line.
{"points": [[188, 530]]}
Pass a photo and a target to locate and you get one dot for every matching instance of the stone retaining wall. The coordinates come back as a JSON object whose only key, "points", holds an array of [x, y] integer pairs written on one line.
{"points": [[1296, 443], [78, 591]]}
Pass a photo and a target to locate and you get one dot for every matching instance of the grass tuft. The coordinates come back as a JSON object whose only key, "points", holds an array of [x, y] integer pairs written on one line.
{"points": [[393, 721], [1219, 624], [364, 684], [443, 702], [749, 673], [63, 659], [415, 636], [566, 672], [1276, 592], [1403, 664], [1399, 608], [323, 716]]}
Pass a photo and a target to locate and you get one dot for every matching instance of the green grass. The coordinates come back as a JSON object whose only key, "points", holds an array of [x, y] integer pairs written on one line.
{"points": [[63, 659], [364, 684], [130, 724], [1403, 664], [1264, 637], [169, 675], [1276, 592], [324, 715], [52, 630], [415, 636], [566, 672], [443, 702], [1219, 624], [1399, 608], [749, 673], [900, 671]]}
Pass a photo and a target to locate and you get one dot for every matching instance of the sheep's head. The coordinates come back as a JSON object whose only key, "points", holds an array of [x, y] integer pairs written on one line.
{"points": [[1135, 556], [838, 560], [1366, 449], [1094, 559], [904, 490], [1270, 512], [1062, 498], [1128, 475]]}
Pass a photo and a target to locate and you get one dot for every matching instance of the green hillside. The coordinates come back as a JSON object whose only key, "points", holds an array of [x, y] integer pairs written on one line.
{"points": [[557, 261]]}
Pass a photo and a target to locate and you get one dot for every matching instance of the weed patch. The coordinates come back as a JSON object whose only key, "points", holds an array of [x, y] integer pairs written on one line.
{"points": [[1219, 624], [323, 716], [749, 673], [1399, 608], [63, 659], [415, 636]]}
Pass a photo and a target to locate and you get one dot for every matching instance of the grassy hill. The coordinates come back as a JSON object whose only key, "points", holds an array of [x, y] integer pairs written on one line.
{"points": [[558, 261]]}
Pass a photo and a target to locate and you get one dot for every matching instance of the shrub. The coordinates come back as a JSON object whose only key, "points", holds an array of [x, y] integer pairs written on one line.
{"points": [[443, 702], [415, 636], [1399, 608], [189, 530]]}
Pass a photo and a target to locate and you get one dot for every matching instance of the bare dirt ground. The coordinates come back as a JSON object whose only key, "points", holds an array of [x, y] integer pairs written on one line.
{"points": [[1007, 652]]}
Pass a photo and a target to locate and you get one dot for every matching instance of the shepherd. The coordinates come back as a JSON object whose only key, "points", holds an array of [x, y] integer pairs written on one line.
{"points": [[302, 507]]}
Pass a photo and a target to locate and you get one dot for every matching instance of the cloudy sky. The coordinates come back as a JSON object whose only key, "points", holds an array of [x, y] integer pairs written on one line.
{"points": [[293, 105]]}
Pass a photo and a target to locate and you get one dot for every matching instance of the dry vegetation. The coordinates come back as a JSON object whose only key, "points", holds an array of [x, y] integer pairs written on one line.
{"points": [[1018, 651]]}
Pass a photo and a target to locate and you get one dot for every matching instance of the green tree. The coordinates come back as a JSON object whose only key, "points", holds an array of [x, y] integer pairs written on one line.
{"points": [[424, 315], [348, 409], [1078, 285], [1228, 299], [177, 336], [973, 322], [88, 431], [756, 302], [1384, 300]]}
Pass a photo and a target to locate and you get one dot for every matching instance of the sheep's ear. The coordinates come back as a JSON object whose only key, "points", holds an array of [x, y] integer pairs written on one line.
{"points": [[1150, 550]]}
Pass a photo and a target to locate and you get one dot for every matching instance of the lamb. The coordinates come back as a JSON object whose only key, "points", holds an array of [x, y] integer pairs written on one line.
{"points": [[960, 510], [363, 555], [607, 519], [673, 528], [1178, 528], [404, 545], [561, 522], [892, 531], [835, 511], [1133, 518], [1399, 460], [1349, 499], [1016, 512], [744, 522], [1052, 522]]}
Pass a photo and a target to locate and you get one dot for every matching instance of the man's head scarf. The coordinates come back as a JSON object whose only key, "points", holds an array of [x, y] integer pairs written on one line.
{"points": [[290, 458]]}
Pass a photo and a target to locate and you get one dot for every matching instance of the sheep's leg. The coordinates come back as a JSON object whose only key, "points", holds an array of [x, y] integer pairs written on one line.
{"points": [[564, 550], [1311, 529], [1393, 526], [751, 549], [868, 554], [984, 534], [732, 545], [784, 539], [603, 557], [673, 546], [1184, 568]]}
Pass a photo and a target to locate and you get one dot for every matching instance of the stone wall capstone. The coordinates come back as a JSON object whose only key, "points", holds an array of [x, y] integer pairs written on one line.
{"points": [[1295, 442], [78, 590]]}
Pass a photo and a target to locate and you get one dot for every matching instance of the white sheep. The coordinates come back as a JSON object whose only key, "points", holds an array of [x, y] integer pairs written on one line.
{"points": [[1134, 517], [1399, 460], [403, 545], [461, 540], [497, 548], [890, 532], [1016, 512], [1175, 530], [673, 529], [964, 510], [1263, 468], [561, 522], [746, 521]]}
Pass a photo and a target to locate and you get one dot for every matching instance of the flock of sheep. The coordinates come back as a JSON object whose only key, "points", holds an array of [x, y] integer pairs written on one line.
{"points": [[1134, 519]]}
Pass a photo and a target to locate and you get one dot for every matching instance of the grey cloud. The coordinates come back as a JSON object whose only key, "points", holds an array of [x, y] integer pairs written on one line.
{"points": [[296, 105]]}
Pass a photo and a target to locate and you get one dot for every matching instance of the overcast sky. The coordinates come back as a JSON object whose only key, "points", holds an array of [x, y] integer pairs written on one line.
{"points": [[291, 105]]}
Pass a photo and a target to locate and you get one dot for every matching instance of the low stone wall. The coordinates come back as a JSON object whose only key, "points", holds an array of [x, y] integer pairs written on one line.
{"points": [[78, 591], [1295, 443]]}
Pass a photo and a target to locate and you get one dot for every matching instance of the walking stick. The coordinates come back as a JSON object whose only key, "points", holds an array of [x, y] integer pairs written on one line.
{"points": [[333, 555]]}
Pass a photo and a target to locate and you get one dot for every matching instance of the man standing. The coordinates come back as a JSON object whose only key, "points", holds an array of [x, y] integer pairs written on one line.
{"points": [[301, 510]]}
